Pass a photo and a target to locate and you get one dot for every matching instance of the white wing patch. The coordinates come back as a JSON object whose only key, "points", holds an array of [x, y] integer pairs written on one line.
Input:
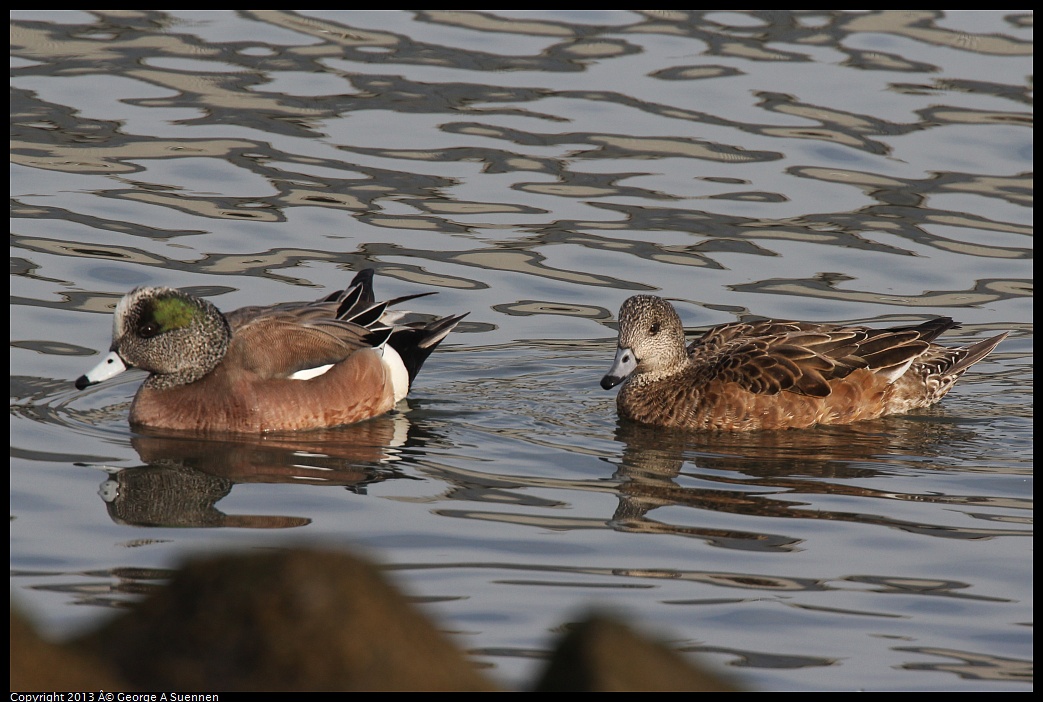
{"points": [[392, 362], [309, 373]]}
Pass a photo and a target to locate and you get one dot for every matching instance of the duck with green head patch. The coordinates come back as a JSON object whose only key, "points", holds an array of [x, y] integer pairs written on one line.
{"points": [[308, 365]]}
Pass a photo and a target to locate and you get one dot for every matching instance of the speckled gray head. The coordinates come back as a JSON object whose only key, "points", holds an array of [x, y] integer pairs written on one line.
{"points": [[174, 336], [651, 340]]}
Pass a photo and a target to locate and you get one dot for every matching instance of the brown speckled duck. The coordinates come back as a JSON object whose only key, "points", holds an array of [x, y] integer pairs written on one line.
{"points": [[775, 374], [297, 365]]}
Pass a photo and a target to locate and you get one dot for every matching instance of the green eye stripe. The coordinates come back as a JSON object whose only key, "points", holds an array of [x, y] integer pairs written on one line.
{"points": [[172, 313]]}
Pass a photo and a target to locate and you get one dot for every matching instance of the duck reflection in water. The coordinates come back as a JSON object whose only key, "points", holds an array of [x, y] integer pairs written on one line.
{"points": [[185, 475]]}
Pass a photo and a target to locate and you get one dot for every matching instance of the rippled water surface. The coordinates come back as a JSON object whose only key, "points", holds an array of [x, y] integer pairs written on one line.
{"points": [[536, 169]]}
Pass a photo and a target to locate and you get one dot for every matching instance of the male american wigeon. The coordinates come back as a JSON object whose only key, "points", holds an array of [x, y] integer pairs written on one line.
{"points": [[777, 375], [296, 365]]}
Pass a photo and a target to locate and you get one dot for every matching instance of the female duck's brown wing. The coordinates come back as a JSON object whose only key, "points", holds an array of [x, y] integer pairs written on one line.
{"points": [[721, 335], [770, 357]]}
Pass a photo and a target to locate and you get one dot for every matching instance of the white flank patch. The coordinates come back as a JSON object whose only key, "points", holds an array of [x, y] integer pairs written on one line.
{"points": [[309, 373], [399, 374]]}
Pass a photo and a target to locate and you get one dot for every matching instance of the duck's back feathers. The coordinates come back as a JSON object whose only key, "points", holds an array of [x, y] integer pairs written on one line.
{"points": [[772, 356]]}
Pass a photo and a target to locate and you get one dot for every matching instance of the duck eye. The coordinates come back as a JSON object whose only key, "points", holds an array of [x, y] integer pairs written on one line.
{"points": [[147, 330], [654, 329]]}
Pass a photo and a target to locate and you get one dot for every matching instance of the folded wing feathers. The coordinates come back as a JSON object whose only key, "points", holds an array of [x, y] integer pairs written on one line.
{"points": [[334, 327], [768, 357], [366, 317]]}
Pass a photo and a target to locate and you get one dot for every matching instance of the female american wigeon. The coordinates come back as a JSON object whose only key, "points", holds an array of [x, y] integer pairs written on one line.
{"points": [[777, 375], [297, 365]]}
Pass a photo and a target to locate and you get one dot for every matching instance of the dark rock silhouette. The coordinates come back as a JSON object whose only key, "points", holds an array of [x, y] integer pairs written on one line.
{"points": [[312, 620]]}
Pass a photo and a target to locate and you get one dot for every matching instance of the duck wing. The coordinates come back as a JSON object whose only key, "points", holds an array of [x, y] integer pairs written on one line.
{"points": [[769, 357]]}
